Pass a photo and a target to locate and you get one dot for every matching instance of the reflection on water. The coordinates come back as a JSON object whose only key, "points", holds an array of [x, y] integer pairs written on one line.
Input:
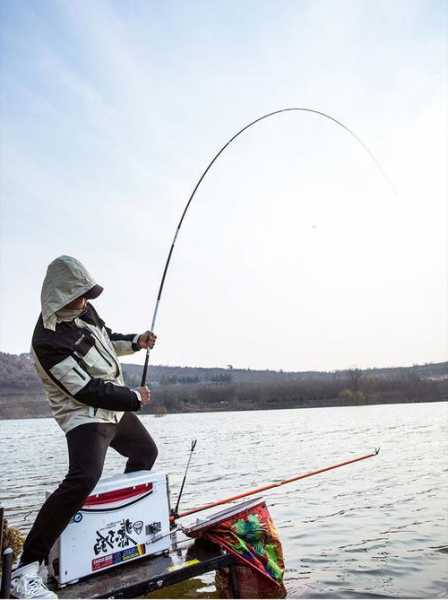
{"points": [[377, 528], [193, 588]]}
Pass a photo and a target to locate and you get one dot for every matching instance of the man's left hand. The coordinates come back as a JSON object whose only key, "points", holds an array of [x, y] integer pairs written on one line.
{"points": [[146, 340]]}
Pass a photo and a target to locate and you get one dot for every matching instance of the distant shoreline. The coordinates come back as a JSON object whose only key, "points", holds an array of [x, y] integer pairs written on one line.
{"points": [[179, 390], [328, 404]]}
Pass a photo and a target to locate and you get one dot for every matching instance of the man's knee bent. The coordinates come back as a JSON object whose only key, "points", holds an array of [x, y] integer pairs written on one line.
{"points": [[148, 456], [151, 456], [143, 459]]}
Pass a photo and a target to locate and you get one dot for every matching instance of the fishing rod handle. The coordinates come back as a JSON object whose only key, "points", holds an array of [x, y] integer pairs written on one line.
{"points": [[145, 369], [146, 363]]}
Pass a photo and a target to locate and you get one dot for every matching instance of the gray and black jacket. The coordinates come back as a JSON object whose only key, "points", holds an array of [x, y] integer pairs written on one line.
{"points": [[79, 367], [76, 355]]}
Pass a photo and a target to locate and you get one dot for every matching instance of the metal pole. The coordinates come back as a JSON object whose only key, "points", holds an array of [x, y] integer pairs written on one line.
{"points": [[193, 446], [275, 112]]}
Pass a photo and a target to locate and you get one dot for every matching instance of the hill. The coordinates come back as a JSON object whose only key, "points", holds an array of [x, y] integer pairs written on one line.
{"points": [[193, 389]]}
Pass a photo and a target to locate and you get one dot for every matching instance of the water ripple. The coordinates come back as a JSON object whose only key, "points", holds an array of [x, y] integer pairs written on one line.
{"points": [[376, 529]]}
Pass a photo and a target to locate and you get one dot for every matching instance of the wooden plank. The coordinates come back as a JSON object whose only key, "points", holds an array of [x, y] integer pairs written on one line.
{"points": [[101, 584], [167, 579], [148, 574]]}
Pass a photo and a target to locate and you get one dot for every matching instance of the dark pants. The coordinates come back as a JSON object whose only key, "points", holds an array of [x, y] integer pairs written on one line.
{"points": [[87, 447]]}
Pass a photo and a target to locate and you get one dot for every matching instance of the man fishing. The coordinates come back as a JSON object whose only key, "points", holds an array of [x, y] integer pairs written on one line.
{"points": [[76, 356]]}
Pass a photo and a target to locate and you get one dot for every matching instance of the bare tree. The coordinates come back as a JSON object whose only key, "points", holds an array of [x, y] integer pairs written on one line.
{"points": [[354, 376]]}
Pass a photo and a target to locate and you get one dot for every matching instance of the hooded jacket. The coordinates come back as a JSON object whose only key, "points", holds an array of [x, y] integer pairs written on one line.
{"points": [[76, 354]]}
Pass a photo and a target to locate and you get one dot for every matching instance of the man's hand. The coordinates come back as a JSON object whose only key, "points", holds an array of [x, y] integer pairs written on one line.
{"points": [[146, 340], [145, 394]]}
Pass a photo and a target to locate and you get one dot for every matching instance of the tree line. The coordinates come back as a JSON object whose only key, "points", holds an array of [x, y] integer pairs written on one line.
{"points": [[350, 390], [185, 389]]}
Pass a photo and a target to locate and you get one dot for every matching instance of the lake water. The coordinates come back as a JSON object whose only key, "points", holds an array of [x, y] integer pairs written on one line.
{"points": [[378, 528]]}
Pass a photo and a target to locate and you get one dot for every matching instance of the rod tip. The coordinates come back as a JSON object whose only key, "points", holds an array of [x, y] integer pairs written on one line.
{"points": [[377, 451]]}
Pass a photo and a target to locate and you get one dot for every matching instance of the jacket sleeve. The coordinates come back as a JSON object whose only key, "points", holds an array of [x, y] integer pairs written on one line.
{"points": [[123, 343], [67, 373], [104, 394]]}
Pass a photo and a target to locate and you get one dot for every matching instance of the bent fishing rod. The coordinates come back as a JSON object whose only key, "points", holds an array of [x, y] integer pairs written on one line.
{"points": [[209, 166], [269, 486]]}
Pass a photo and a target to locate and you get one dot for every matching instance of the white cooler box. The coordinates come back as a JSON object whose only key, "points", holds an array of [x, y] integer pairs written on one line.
{"points": [[126, 517]]}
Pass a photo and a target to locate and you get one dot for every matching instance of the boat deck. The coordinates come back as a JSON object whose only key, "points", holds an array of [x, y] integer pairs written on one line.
{"points": [[149, 574]]}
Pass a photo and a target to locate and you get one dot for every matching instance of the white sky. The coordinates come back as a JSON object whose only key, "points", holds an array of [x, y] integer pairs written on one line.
{"points": [[295, 254]]}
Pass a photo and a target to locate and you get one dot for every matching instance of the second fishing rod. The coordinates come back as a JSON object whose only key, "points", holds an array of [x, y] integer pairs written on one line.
{"points": [[264, 488]]}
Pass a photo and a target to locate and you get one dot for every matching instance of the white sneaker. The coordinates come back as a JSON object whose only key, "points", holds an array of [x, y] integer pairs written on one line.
{"points": [[26, 582]]}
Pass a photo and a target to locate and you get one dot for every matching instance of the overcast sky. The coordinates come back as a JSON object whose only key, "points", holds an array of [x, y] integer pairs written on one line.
{"points": [[295, 254]]}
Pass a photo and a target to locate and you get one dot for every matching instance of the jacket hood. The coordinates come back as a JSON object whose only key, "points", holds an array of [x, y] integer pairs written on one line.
{"points": [[66, 280]]}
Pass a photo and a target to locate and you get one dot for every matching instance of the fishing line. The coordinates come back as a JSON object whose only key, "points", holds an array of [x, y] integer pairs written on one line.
{"points": [[209, 166]]}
